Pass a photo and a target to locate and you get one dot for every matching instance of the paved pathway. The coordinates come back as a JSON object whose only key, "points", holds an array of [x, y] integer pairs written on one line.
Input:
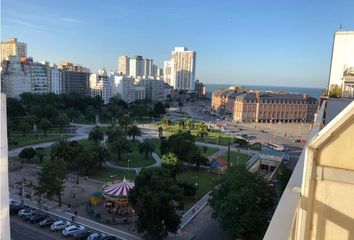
{"points": [[61, 213], [232, 149]]}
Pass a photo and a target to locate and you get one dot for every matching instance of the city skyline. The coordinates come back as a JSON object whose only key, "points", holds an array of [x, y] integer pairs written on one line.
{"points": [[266, 45]]}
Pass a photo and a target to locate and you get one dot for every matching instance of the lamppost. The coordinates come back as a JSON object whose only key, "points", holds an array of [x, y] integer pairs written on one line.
{"points": [[133, 211]]}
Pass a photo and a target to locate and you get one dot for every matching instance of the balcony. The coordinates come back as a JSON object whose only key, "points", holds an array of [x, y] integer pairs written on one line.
{"points": [[317, 202]]}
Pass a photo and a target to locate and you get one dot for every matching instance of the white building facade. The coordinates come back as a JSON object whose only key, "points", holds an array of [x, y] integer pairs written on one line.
{"points": [[136, 66], [342, 61], [183, 66], [123, 87], [167, 72], [56, 79], [40, 77], [15, 77]]}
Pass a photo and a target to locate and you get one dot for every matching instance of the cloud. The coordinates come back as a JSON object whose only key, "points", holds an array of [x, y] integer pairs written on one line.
{"points": [[68, 20]]}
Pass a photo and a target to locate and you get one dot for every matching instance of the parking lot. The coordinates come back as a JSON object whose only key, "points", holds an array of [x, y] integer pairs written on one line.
{"points": [[29, 223]]}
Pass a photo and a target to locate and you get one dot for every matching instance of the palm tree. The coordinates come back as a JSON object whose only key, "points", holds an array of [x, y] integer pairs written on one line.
{"points": [[62, 150], [202, 130], [147, 147], [125, 121], [160, 130], [134, 131], [101, 153], [118, 146], [113, 133], [96, 135], [87, 160]]}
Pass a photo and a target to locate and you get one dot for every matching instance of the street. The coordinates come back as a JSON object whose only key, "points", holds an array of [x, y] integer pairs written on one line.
{"points": [[21, 230]]}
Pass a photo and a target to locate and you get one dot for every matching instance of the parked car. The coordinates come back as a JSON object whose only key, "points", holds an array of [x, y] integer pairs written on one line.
{"points": [[70, 230], [24, 211], [96, 236], [47, 222], [59, 225], [81, 234], [37, 218], [28, 216]]}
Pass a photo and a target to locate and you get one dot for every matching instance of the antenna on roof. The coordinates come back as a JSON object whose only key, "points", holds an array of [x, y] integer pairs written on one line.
{"points": [[340, 26]]}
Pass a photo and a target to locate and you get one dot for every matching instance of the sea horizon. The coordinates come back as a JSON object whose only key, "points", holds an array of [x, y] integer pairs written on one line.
{"points": [[311, 91]]}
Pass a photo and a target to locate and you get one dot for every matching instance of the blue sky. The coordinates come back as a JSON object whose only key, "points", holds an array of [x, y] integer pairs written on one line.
{"points": [[264, 42]]}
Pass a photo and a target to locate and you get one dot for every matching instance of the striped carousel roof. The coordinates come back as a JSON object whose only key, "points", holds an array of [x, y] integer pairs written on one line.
{"points": [[120, 189]]}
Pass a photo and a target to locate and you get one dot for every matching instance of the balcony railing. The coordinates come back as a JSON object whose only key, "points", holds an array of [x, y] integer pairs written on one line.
{"points": [[281, 225]]}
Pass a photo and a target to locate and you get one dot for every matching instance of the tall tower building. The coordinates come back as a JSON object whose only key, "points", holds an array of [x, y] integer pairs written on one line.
{"points": [[148, 67], [167, 72], [342, 63], [136, 66], [123, 65], [183, 64], [75, 79], [13, 48]]}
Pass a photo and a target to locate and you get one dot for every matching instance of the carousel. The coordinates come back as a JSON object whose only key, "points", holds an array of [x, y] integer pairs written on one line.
{"points": [[116, 195]]}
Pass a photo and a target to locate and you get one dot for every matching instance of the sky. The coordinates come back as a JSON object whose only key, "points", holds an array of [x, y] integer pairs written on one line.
{"points": [[263, 42]]}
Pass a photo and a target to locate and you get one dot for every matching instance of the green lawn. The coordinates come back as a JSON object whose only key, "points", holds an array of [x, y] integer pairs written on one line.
{"points": [[137, 158], [104, 174], [204, 180], [237, 158], [33, 139], [208, 152]]}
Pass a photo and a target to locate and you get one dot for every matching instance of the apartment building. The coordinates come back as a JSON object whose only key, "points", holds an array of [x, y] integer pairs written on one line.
{"points": [[75, 79], [40, 77], [101, 85], [123, 65], [56, 79], [154, 89], [13, 48]]}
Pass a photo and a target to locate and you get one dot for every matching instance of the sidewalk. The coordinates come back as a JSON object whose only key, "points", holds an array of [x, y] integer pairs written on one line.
{"points": [[61, 213]]}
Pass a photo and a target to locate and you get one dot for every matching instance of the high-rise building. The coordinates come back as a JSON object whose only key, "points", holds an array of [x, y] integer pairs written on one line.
{"points": [[183, 64], [15, 76], [136, 66], [154, 89], [167, 72], [123, 65], [342, 63], [123, 87], [13, 48], [148, 68], [100, 85], [56, 80], [40, 77], [76, 79]]}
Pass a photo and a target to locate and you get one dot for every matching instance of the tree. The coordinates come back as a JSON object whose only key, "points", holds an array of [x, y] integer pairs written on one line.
{"points": [[96, 135], [181, 124], [25, 127], [166, 120], [156, 198], [147, 147], [182, 144], [170, 162], [62, 121], [45, 125], [335, 91], [40, 154], [283, 175], [90, 113], [101, 152], [87, 159], [118, 146], [160, 130], [134, 131], [62, 149], [242, 201], [27, 153], [202, 130], [159, 108], [71, 113], [125, 121], [198, 160], [188, 123], [52, 178], [113, 133]]}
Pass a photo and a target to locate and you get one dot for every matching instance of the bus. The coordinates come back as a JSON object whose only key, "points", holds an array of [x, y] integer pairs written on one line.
{"points": [[275, 146]]}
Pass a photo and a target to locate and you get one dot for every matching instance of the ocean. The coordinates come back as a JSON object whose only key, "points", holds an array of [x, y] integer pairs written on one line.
{"points": [[313, 92]]}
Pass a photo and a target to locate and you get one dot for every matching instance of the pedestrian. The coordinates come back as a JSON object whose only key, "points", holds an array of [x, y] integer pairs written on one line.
{"points": [[72, 218], [75, 213]]}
